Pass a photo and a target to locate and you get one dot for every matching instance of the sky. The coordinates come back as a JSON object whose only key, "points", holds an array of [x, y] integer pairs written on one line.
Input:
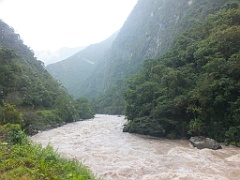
{"points": [[52, 24]]}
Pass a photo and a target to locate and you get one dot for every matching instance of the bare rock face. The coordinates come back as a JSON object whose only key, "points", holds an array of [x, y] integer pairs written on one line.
{"points": [[203, 142]]}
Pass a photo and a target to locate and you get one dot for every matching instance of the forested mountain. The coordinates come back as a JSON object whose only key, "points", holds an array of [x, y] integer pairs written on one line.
{"points": [[194, 89], [149, 32], [29, 95], [184, 54], [190, 83]]}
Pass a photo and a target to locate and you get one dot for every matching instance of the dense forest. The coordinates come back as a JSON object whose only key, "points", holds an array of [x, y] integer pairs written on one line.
{"points": [[145, 34], [29, 95], [160, 23], [194, 88], [185, 55], [173, 70], [32, 101]]}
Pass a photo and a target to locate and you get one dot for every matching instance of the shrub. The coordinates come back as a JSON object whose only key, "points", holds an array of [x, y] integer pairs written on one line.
{"points": [[12, 133]]}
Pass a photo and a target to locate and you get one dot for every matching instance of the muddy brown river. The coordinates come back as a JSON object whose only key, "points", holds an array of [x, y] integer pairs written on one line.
{"points": [[111, 154]]}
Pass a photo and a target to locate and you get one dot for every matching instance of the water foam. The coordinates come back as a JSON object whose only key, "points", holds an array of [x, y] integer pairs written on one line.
{"points": [[102, 146]]}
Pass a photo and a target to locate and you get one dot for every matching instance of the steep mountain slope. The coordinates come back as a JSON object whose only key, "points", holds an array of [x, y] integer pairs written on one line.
{"points": [[29, 95], [74, 72], [149, 32], [194, 88], [143, 35]]}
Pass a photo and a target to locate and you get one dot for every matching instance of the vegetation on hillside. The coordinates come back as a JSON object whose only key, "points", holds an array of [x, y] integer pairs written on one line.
{"points": [[142, 36], [31, 99], [21, 159], [194, 88], [149, 32], [29, 96]]}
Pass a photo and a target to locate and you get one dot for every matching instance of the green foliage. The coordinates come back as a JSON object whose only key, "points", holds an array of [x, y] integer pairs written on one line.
{"points": [[9, 114], [233, 135], [50, 114], [110, 102], [50, 117], [194, 88], [84, 108], [145, 126], [25, 160], [161, 23], [12, 133], [196, 127], [29, 96], [65, 108], [99, 71]]}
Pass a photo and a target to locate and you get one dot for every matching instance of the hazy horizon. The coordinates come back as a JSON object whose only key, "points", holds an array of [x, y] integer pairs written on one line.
{"points": [[50, 25]]}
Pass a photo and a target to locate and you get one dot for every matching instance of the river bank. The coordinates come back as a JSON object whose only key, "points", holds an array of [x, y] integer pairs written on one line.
{"points": [[111, 154]]}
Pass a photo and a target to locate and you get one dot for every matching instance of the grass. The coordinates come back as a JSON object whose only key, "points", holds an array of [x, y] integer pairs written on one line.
{"points": [[28, 161]]}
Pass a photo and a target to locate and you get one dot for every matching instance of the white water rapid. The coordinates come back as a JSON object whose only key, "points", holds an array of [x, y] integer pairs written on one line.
{"points": [[113, 155]]}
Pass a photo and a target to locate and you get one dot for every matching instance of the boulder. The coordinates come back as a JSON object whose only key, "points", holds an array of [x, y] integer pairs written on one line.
{"points": [[203, 142]]}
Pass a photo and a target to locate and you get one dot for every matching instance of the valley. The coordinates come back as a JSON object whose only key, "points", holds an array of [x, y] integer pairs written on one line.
{"points": [[113, 155]]}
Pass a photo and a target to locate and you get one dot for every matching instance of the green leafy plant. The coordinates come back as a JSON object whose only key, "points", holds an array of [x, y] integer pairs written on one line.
{"points": [[21, 159], [194, 88]]}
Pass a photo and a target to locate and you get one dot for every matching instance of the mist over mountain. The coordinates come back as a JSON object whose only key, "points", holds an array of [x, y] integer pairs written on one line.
{"points": [[78, 73], [149, 32], [50, 57]]}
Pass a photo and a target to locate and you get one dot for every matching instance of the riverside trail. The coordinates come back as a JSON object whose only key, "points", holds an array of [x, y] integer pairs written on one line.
{"points": [[113, 155]]}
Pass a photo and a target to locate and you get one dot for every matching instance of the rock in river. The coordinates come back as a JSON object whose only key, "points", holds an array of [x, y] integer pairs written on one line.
{"points": [[203, 142]]}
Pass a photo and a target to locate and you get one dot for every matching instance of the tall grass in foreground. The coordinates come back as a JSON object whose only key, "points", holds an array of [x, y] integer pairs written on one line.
{"points": [[22, 160]]}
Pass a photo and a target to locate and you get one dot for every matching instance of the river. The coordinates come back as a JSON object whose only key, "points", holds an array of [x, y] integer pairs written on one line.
{"points": [[113, 155]]}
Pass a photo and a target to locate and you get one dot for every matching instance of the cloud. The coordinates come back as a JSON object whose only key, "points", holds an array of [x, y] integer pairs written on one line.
{"points": [[44, 24]]}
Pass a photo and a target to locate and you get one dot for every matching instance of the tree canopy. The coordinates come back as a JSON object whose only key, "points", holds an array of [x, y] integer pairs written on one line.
{"points": [[29, 96], [194, 88]]}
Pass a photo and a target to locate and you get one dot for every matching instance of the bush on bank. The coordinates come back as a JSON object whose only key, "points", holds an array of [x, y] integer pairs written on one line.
{"points": [[21, 159]]}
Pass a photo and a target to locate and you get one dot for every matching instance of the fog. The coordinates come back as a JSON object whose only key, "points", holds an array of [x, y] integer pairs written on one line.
{"points": [[50, 25]]}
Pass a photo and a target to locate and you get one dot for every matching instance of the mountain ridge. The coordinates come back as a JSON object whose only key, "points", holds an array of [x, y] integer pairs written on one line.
{"points": [[77, 69], [192, 90], [29, 95], [50, 57], [149, 32]]}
